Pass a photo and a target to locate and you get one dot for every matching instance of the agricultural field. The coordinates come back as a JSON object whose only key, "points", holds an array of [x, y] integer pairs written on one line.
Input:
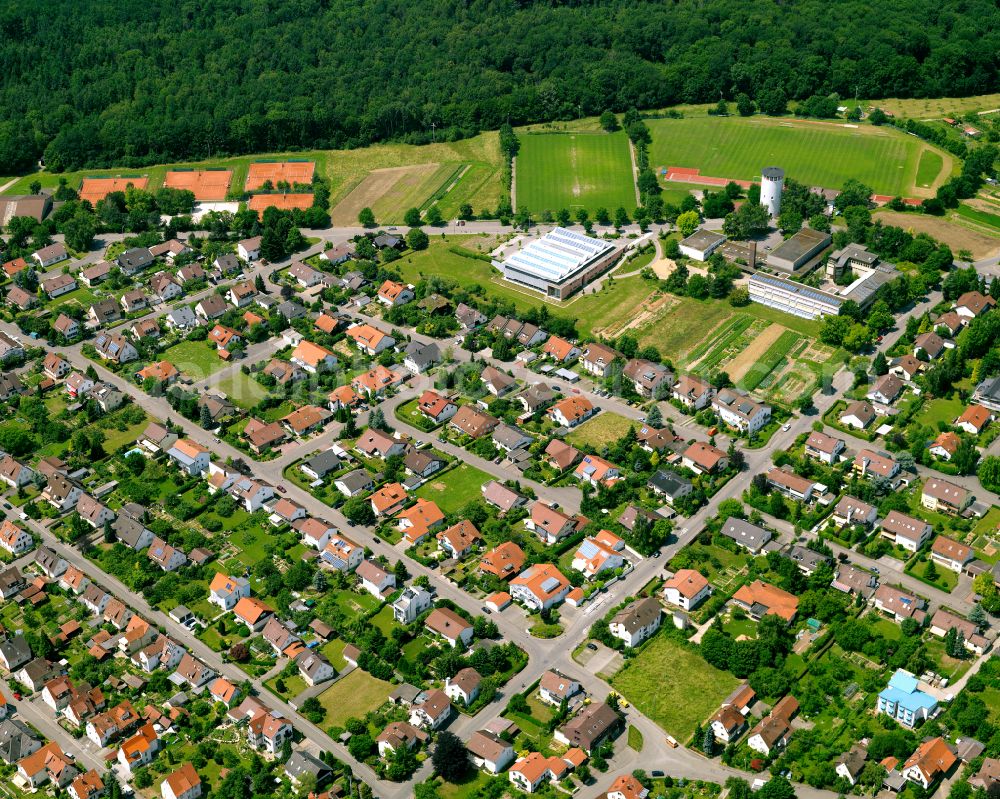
{"points": [[450, 173], [815, 153], [574, 170], [390, 178], [957, 231], [936, 107], [605, 428], [673, 686], [761, 350], [979, 217]]}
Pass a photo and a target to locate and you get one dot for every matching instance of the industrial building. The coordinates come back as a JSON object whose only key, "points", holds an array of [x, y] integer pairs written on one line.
{"points": [[560, 263], [701, 244], [797, 251]]}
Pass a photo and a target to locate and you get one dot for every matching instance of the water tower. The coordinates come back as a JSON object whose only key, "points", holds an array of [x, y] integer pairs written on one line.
{"points": [[772, 181]]}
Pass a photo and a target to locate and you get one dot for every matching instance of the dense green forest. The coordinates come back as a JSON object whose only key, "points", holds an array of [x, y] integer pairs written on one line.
{"points": [[131, 82]]}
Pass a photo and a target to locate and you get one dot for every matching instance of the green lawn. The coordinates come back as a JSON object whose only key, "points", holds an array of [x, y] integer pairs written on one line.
{"points": [[468, 789], [334, 651], [985, 532], [242, 389], [574, 170], [384, 620], [294, 686], [886, 628], [197, 359], [991, 696], [982, 217], [817, 154], [454, 489], [353, 696], [356, 603], [602, 429], [940, 410], [251, 541], [930, 166], [408, 414], [635, 738], [674, 686], [946, 579]]}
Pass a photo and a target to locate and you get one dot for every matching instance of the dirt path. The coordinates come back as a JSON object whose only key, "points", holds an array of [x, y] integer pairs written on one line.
{"points": [[742, 363]]}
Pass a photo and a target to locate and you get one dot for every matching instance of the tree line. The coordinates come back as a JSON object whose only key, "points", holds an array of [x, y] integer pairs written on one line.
{"points": [[228, 77]]}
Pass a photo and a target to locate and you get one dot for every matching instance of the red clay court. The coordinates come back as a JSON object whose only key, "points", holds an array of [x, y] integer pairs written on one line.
{"points": [[291, 172], [95, 189], [685, 174], [207, 184], [283, 202]]}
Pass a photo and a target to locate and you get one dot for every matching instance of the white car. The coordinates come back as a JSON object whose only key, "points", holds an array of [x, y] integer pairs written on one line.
{"points": [[786, 427]]}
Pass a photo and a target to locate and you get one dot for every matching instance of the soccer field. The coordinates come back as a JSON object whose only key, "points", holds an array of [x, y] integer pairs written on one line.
{"points": [[814, 153], [574, 170]]}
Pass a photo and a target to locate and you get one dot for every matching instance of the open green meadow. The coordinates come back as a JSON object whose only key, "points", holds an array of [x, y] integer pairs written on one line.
{"points": [[603, 429], [574, 170], [673, 685], [455, 488], [197, 359], [814, 153]]}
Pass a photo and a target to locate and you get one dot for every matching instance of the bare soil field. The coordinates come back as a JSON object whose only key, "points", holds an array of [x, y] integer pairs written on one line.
{"points": [[742, 363]]}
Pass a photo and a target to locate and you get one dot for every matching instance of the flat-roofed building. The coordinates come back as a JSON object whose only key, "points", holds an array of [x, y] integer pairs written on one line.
{"points": [[559, 263], [794, 298], [797, 251], [701, 244]]}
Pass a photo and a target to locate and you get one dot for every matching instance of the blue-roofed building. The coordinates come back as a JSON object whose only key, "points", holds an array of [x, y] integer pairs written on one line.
{"points": [[904, 701], [560, 263]]}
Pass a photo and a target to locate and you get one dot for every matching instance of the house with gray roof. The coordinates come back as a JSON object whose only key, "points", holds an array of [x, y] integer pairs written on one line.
{"points": [[747, 535]]}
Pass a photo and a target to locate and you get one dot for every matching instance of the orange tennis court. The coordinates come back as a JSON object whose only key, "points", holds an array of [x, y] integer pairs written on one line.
{"points": [[283, 202], [291, 172], [94, 189], [207, 184]]}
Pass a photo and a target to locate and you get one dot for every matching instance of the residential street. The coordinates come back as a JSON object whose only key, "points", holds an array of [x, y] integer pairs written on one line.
{"points": [[542, 654]]}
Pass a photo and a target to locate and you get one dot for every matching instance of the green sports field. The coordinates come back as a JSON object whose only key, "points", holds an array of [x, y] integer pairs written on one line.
{"points": [[814, 153], [574, 170]]}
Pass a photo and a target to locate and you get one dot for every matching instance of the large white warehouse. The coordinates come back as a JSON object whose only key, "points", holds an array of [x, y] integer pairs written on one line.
{"points": [[559, 263]]}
